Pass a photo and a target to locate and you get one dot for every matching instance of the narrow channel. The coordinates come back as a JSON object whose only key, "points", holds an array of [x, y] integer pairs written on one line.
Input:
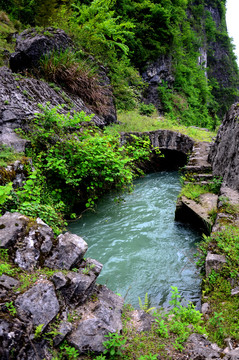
{"points": [[141, 246]]}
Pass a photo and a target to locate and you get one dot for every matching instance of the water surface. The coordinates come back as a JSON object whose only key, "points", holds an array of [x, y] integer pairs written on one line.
{"points": [[141, 246]]}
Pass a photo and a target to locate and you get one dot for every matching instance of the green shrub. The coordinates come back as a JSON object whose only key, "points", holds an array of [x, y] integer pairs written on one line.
{"points": [[74, 163], [146, 109]]}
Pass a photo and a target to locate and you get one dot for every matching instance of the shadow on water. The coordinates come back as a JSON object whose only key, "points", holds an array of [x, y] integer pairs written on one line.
{"points": [[141, 246]]}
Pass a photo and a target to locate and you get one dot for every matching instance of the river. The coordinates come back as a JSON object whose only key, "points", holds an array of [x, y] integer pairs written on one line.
{"points": [[142, 248]]}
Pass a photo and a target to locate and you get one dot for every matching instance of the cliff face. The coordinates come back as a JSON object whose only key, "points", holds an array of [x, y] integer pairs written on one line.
{"points": [[221, 60], [209, 51], [224, 154]]}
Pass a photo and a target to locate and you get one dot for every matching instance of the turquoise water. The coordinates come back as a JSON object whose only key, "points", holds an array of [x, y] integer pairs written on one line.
{"points": [[140, 245]]}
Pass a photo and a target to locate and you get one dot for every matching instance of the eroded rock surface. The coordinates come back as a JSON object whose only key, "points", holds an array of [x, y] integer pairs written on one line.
{"points": [[224, 154], [39, 305], [32, 45], [19, 99], [155, 74], [69, 252], [11, 225], [102, 317], [85, 312]]}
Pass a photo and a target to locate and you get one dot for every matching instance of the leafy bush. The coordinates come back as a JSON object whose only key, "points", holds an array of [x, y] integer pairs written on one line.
{"points": [[74, 163], [114, 345], [146, 109]]}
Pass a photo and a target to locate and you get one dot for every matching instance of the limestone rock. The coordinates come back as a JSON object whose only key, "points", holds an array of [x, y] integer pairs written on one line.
{"points": [[59, 280], [199, 347], [233, 354], [205, 308], [98, 319], [79, 287], [11, 225], [214, 262], [32, 45], [141, 321], [11, 339], [68, 253], [235, 291], [8, 282], [36, 243], [63, 330], [38, 305], [92, 265], [19, 99], [155, 74], [224, 154], [89, 336]]}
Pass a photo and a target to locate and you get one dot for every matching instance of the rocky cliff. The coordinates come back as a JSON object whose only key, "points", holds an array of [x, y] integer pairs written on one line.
{"points": [[224, 154], [213, 53], [21, 90]]}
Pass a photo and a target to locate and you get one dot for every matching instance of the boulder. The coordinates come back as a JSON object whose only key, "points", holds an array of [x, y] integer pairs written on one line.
{"points": [[214, 262], [38, 305], [59, 280], [99, 318], [79, 287], [68, 253], [8, 282], [11, 339], [140, 320], [31, 45], [63, 330], [198, 347], [11, 226], [37, 243]]}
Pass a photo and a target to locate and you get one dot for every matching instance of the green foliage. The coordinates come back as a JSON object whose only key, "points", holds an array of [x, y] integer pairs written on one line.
{"points": [[133, 121], [5, 266], [8, 155], [5, 192], [148, 357], [88, 268], [69, 351], [146, 109], [97, 27], [146, 306], [38, 331], [183, 317], [193, 191], [216, 184], [161, 328], [11, 308], [227, 243], [74, 163], [175, 296], [217, 322], [115, 345]]}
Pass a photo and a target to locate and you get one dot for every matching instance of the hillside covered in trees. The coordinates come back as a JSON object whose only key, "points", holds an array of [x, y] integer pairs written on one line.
{"points": [[181, 48]]}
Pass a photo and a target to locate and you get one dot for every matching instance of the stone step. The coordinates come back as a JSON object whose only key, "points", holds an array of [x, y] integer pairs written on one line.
{"points": [[198, 182], [202, 177], [197, 169]]}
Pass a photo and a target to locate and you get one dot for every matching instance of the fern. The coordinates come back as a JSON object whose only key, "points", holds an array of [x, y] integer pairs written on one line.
{"points": [[146, 305]]}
